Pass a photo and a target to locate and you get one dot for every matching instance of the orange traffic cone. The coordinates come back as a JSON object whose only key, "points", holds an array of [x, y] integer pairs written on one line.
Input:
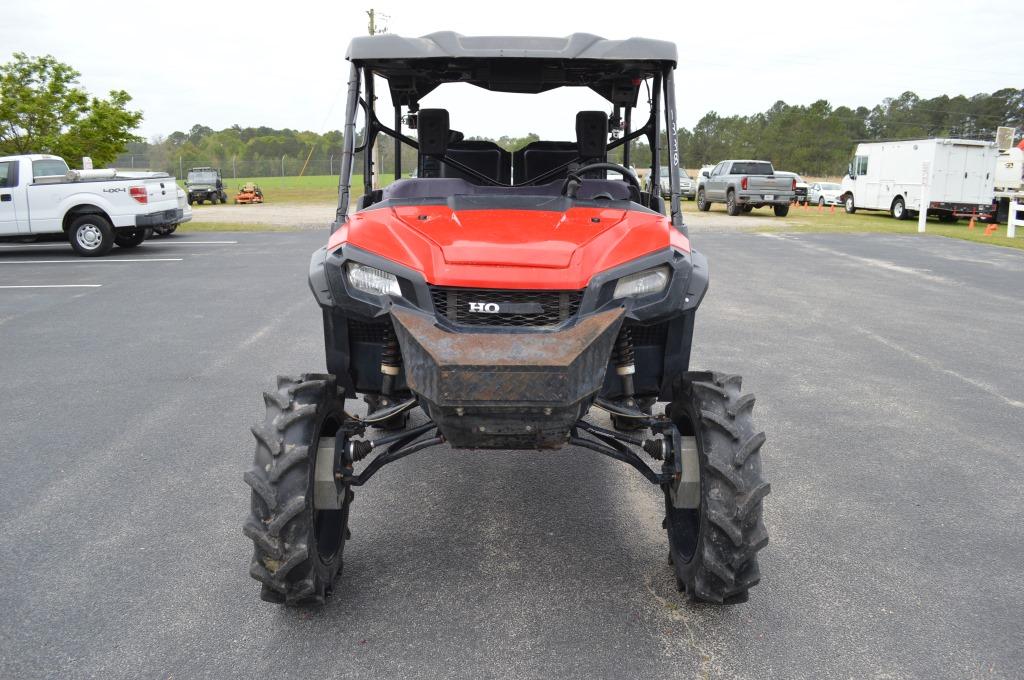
{"points": [[970, 225], [991, 228], [832, 208], [821, 208]]}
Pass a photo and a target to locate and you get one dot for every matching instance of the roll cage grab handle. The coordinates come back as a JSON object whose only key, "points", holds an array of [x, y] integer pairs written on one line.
{"points": [[664, 84]]}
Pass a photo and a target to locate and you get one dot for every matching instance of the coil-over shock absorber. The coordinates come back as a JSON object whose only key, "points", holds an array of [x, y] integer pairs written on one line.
{"points": [[625, 366], [390, 368], [390, 364]]}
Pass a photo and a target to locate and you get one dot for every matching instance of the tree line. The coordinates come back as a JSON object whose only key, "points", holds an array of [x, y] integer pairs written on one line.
{"points": [[816, 139]]}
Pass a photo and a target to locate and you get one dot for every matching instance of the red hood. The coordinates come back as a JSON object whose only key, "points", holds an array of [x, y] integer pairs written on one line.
{"points": [[528, 249]]}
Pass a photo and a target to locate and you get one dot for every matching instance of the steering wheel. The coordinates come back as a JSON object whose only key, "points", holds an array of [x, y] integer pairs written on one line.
{"points": [[575, 178]]}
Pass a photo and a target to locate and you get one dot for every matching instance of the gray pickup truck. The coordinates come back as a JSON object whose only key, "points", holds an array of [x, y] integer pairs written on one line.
{"points": [[745, 185]]}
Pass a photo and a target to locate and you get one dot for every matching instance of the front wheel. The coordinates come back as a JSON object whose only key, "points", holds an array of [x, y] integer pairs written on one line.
{"points": [[781, 210], [714, 510], [821, 202], [130, 238], [702, 201], [849, 204], [299, 520], [91, 235]]}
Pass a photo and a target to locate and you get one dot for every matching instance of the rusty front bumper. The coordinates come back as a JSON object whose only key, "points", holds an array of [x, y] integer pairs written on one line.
{"points": [[505, 390]]}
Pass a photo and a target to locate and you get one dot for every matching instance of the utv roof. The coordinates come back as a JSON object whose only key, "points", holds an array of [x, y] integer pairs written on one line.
{"points": [[451, 45], [413, 67]]}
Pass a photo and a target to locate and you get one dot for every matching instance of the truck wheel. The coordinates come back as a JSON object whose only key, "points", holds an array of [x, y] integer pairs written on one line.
{"points": [[91, 235], [731, 206], [702, 202], [130, 238], [190, 200], [714, 534], [849, 205], [899, 209], [781, 210], [297, 548], [223, 198]]}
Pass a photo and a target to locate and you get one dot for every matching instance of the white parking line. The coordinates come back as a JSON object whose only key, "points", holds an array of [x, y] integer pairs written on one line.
{"points": [[32, 246], [94, 261], [60, 285], [190, 243]]}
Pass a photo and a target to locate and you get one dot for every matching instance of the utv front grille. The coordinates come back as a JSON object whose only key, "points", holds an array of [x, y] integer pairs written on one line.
{"points": [[504, 308]]}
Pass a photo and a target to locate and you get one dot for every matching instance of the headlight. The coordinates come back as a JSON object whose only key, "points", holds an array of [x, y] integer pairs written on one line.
{"points": [[642, 283], [372, 280]]}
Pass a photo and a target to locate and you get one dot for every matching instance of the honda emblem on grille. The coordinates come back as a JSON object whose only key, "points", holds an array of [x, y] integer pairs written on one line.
{"points": [[486, 307]]}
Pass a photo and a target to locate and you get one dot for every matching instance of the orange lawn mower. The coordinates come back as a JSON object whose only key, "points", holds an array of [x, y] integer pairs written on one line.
{"points": [[249, 193]]}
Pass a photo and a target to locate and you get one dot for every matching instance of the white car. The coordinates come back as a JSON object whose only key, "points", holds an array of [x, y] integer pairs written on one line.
{"points": [[95, 209], [687, 188], [825, 193]]}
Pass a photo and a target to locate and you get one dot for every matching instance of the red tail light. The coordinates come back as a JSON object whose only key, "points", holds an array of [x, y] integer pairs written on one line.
{"points": [[743, 184], [794, 185], [139, 194]]}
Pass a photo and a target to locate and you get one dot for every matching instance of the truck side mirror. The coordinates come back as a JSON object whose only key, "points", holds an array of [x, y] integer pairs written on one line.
{"points": [[849, 170]]}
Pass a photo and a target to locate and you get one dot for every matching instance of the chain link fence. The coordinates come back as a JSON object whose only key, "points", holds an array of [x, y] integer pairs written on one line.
{"points": [[233, 168]]}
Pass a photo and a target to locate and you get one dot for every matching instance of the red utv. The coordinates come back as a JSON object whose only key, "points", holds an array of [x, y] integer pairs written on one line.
{"points": [[508, 295]]}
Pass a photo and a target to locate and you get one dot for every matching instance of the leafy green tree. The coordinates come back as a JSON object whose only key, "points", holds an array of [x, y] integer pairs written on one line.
{"points": [[43, 110]]}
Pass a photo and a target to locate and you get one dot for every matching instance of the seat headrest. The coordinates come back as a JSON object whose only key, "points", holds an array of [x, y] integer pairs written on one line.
{"points": [[433, 131], [592, 134]]}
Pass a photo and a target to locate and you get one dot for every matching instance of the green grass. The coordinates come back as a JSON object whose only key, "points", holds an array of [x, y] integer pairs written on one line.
{"points": [[881, 223], [308, 189], [324, 189], [865, 222]]}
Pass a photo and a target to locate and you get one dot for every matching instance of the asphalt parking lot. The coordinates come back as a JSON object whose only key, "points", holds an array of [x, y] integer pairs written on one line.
{"points": [[889, 380]]}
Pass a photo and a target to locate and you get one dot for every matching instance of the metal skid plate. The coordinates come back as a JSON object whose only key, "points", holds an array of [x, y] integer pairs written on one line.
{"points": [[505, 390]]}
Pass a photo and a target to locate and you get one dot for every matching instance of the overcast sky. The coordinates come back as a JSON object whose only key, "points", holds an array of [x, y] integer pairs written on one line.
{"points": [[282, 64]]}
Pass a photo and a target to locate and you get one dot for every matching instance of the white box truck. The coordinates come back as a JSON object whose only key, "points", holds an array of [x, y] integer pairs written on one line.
{"points": [[959, 174], [1009, 181]]}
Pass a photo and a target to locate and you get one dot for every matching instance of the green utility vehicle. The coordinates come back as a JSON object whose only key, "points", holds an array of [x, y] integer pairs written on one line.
{"points": [[205, 184]]}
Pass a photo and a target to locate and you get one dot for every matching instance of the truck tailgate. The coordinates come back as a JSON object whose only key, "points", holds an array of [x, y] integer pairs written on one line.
{"points": [[769, 185], [161, 194]]}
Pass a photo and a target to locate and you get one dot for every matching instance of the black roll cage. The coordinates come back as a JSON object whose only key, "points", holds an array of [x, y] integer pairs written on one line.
{"points": [[663, 85]]}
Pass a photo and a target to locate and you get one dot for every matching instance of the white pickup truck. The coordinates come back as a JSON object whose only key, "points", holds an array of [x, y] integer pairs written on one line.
{"points": [[96, 209]]}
